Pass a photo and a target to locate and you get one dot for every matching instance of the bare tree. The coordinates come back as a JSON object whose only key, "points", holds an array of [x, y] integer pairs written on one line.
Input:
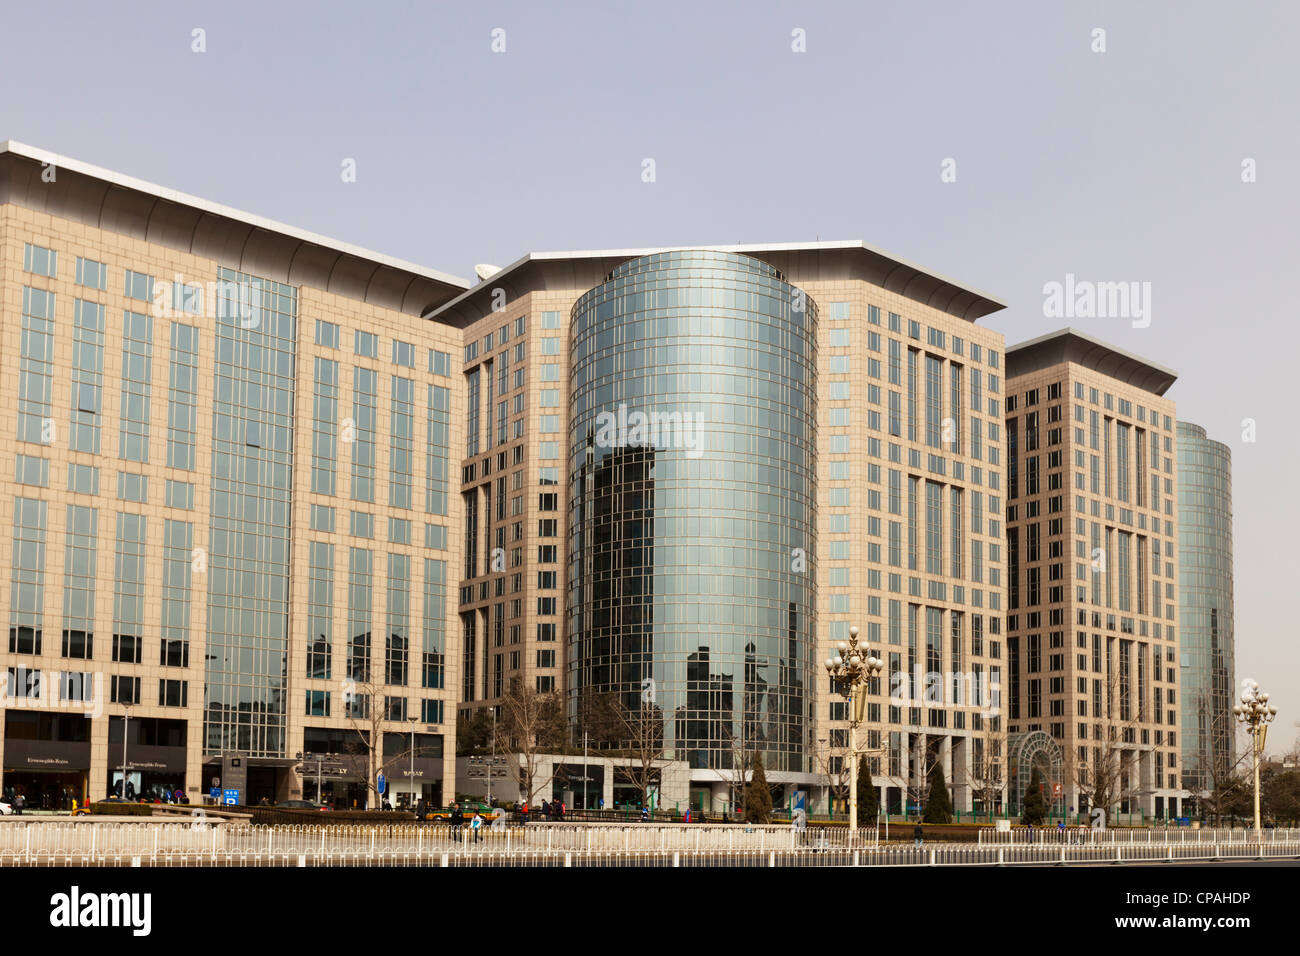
{"points": [[364, 705], [1107, 778], [925, 756], [986, 769], [740, 770], [1231, 791], [531, 724], [835, 768], [640, 730]]}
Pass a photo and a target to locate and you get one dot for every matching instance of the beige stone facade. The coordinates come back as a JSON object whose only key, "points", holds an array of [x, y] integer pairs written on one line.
{"points": [[66, 307], [1092, 611], [512, 591], [910, 493]]}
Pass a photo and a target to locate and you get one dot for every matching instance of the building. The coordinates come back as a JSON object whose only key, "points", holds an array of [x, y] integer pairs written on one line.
{"points": [[227, 467], [561, 778], [1205, 609], [724, 457], [1092, 554], [684, 474]]}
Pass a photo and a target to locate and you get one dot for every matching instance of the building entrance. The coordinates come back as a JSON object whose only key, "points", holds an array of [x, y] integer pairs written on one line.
{"points": [[47, 789]]}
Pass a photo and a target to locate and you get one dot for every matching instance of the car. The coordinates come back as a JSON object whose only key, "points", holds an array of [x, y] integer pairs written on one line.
{"points": [[468, 809], [302, 805], [6, 809]]}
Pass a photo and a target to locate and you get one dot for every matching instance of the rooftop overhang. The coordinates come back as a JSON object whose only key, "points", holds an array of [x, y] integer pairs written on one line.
{"points": [[799, 262], [47, 182], [1071, 345]]}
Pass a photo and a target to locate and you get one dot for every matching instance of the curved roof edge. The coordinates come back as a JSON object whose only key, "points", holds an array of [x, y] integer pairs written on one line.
{"points": [[798, 261], [1071, 345], [121, 204]]}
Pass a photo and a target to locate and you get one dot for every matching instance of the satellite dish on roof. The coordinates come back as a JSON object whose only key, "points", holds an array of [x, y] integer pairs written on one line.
{"points": [[485, 270]]}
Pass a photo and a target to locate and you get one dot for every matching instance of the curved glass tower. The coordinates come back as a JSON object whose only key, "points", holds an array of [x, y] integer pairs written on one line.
{"points": [[692, 532], [1205, 605]]}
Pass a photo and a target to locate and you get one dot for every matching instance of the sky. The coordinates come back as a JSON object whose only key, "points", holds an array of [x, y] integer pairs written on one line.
{"points": [[1005, 145]]}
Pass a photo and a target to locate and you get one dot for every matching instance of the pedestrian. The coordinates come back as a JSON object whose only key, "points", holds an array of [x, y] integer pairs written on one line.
{"points": [[476, 825], [645, 813], [457, 822], [546, 810], [918, 835], [1031, 833], [559, 814]]}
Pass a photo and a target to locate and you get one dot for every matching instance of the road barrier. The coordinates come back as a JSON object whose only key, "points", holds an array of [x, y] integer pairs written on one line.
{"points": [[171, 844], [1152, 836]]}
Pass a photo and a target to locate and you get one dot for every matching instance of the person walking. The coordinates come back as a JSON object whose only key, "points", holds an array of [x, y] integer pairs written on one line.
{"points": [[457, 822], [476, 825], [918, 835]]}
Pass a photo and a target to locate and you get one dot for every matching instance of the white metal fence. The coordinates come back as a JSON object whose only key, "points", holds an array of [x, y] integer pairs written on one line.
{"points": [[171, 844], [1151, 836]]}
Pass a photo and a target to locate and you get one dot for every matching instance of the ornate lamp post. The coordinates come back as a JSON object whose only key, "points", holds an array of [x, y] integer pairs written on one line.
{"points": [[1256, 713], [851, 668]]}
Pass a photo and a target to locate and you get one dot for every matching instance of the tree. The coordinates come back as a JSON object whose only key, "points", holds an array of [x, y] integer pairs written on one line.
{"points": [[1279, 795], [1231, 792], [531, 724], [740, 769], [868, 797], [363, 701], [1033, 810], [835, 768], [474, 736], [938, 808], [1108, 778], [926, 759], [639, 731], [758, 798], [987, 781]]}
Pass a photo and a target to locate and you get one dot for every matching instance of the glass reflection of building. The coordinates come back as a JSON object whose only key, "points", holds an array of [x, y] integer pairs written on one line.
{"points": [[692, 454], [248, 560], [1205, 611]]}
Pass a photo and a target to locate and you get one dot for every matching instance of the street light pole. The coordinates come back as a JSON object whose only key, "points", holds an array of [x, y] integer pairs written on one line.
{"points": [[126, 728], [851, 668], [412, 720], [492, 765], [1256, 713]]}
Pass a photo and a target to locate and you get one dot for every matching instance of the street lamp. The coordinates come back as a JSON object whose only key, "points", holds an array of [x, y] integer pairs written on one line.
{"points": [[1256, 713], [851, 668], [413, 721], [126, 728]]}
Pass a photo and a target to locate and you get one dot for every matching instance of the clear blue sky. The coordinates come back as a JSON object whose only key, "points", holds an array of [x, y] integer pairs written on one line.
{"points": [[1123, 165]]}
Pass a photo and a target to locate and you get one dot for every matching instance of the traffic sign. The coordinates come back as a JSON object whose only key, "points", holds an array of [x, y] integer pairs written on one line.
{"points": [[381, 784], [230, 798]]}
